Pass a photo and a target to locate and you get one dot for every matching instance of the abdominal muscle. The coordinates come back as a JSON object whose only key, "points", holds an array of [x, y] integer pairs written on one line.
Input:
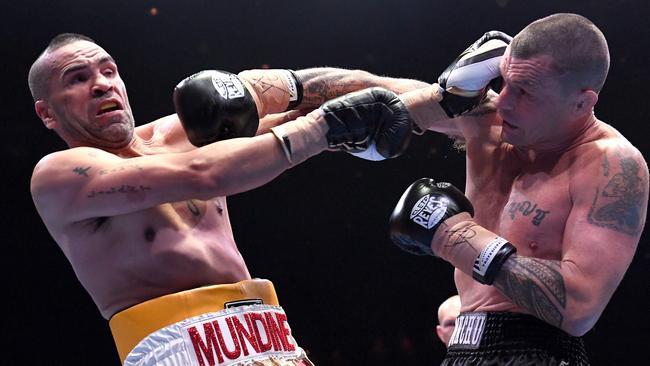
{"points": [[154, 252]]}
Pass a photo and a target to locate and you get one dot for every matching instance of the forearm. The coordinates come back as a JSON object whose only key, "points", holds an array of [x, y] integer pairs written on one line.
{"points": [[551, 290], [325, 83], [554, 291], [238, 165], [424, 106], [536, 285]]}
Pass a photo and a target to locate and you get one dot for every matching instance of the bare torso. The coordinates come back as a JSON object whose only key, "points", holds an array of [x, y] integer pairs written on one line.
{"points": [[527, 206], [126, 259]]}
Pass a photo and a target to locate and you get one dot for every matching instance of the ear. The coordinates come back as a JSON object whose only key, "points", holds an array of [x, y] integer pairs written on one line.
{"points": [[585, 102], [45, 113]]}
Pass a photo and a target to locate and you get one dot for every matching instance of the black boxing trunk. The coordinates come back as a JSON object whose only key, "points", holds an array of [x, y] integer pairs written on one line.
{"points": [[503, 338]]}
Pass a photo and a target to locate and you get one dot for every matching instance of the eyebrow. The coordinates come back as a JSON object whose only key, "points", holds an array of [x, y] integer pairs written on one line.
{"points": [[72, 69]]}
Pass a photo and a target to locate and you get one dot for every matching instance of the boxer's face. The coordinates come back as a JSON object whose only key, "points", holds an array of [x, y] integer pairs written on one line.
{"points": [[87, 102], [533, 103]]}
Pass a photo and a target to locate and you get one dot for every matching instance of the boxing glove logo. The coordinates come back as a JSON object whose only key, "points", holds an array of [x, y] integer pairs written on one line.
{"points": [[227, 85], [428, 211]]}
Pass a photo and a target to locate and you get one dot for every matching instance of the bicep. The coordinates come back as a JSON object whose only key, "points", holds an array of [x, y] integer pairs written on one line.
{"points": [[91, 183], [605, 223]]}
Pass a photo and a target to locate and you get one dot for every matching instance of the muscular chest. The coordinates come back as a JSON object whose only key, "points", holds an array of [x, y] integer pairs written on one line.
{"points": [[190, 214], [531, 214]]}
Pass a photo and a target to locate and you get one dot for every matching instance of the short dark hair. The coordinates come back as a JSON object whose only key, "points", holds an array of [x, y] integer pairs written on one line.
{"points": [[39, 74], [577, 47]]}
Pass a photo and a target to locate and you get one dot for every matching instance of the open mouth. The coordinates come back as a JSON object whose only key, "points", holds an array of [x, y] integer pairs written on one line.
{"points": [[107, 107]]}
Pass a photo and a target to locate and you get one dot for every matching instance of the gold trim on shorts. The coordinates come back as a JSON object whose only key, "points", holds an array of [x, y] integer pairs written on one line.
{"points": [[133, 324]]}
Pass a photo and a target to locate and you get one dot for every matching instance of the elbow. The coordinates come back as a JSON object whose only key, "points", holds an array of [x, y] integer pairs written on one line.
{"points": [[578, 327], [579, 321], [204, 179]]}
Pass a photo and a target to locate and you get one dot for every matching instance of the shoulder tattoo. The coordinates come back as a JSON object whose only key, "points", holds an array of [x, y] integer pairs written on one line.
{"points": [[618, 205]]}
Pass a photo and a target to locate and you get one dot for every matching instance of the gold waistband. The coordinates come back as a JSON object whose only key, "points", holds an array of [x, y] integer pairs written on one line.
{"points": [[132, 325]]}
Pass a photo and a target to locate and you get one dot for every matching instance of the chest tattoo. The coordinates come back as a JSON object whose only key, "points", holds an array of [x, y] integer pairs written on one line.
{"points": [[527, 208]]}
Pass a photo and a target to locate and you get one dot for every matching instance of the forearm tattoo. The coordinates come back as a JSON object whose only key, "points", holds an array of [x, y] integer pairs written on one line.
{"points": [[536, 285], [619, 205], [321, 85], [124, 188]]}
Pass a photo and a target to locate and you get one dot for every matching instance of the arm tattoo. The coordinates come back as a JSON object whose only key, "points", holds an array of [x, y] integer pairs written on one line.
{"points": [[124, 188], [119, 169], [536, 285], [81, 170], [618, 206], [323, 84], [318, 92]]}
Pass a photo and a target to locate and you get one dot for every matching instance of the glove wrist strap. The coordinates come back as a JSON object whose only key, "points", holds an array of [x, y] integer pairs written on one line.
{"points": [[295, 89], [302, 138], [489, 262]]}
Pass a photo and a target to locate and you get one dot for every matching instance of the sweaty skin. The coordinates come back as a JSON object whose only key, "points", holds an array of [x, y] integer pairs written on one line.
{"points": [[140, 212], [565, 188]]}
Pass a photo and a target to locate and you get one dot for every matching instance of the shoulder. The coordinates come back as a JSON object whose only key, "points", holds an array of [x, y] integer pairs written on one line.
{"points": [[609, 178], [62, 160], [167, 129], [56, 173], [610, 150]]}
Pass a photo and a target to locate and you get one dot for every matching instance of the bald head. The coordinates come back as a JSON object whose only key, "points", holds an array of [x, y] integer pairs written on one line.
{"points": [[578, 49], [40, 72]]}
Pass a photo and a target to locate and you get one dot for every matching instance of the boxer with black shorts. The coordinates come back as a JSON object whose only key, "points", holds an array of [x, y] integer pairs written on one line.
{"points": [[555, 199]]}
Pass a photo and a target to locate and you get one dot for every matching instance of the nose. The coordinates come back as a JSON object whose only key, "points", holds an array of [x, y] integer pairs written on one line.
{"points": [[505, 99], [101, 86]]}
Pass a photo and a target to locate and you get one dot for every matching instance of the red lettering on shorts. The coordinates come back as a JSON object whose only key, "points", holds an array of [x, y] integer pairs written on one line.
{"points": [[230, 354], [254, 319], [285, 333], [205, 349], [273, 331], [243, 333]]}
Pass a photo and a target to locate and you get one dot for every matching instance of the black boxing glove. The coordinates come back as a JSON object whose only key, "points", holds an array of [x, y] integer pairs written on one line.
{"points": [[416, 227], [372, 119], [465, 80], [215, 105], [422, 208]]}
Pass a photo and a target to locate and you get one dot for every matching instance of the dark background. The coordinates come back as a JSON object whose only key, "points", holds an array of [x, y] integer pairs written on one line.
{"points": [[319, 231]]}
